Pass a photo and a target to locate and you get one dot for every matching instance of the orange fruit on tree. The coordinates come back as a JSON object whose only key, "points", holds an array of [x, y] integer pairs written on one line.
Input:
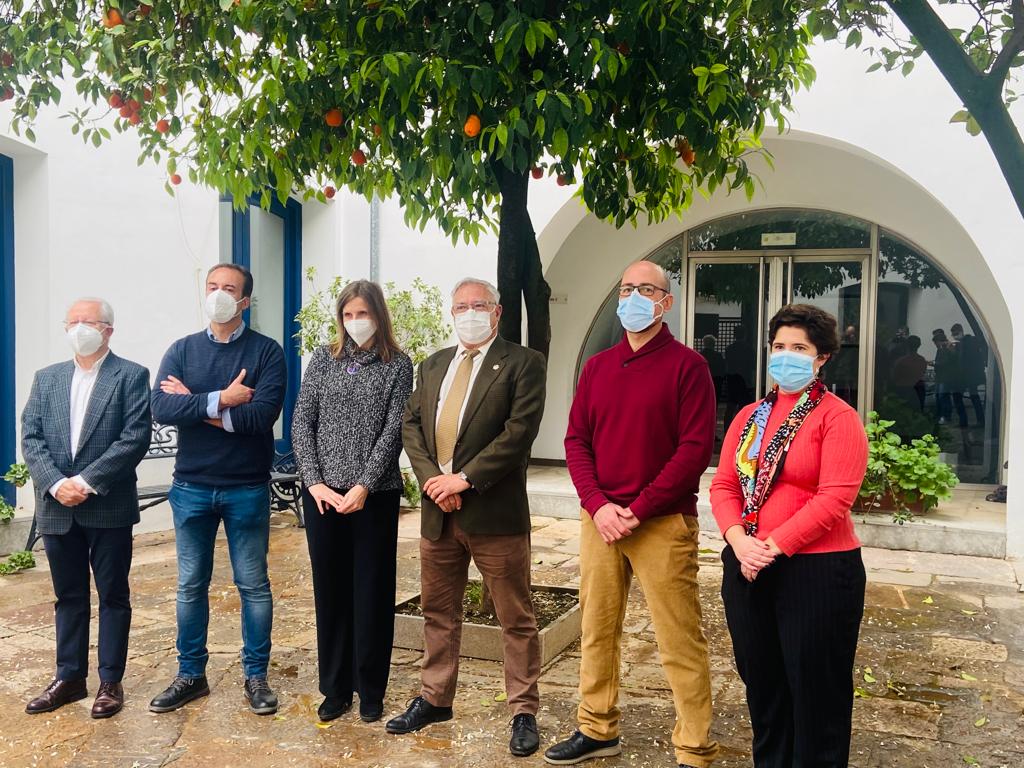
{"points": [[329, 192], [6, 59], [175, 179], [144, 10], [377, 130], [7, 95], [562, 180], [125, 111], [162, 126], [116, 100], [112, 18], [333, 117], [134, 118], [537, 172], [358, 157], [472, 126], [688, 156]]}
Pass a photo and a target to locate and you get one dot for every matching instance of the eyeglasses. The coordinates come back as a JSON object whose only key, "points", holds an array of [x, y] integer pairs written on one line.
{"points": [[99, 325], [476, 306], [644, 289]]}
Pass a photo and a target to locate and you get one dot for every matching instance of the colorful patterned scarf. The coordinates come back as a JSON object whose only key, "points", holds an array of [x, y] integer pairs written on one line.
{"points": [[757, 476]]}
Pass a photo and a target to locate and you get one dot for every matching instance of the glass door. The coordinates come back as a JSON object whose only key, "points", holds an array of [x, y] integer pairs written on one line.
{"points": [[731, 300], [835, 285], [726, 314]]}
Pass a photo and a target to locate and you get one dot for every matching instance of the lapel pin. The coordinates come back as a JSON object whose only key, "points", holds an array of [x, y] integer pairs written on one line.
{"points": [[496, 366]]}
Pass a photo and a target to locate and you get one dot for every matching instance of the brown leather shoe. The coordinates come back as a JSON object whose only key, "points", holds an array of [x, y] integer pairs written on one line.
{"points": [[109, 700], [57, 694]]}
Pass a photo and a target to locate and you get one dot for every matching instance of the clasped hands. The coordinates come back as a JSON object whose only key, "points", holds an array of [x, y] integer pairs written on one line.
{"points": [[753, 554], [446, 491], [614, 522], [325, 497], [236, 393], [70, 493]]}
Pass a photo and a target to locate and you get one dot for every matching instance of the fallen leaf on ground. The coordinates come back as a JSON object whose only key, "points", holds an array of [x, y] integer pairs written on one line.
{"points": [[928, 600]]}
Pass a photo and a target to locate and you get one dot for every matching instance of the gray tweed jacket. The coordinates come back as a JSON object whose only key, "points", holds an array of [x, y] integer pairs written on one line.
{"points": [[115, 436]]}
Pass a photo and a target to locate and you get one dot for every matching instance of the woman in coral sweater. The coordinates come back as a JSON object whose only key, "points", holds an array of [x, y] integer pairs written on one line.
{"points": [[793, 578]]}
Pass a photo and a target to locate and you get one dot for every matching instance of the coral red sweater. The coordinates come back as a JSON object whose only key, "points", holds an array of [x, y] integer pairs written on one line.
{"points": [[808, 508], [641, 428]]}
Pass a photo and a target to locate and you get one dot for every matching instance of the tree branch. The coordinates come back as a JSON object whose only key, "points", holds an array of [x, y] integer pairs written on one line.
{"points": [[1014, 45], [944, 49]]}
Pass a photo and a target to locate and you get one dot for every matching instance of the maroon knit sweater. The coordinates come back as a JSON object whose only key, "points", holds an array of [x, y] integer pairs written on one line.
{"points": [[641, 428]]}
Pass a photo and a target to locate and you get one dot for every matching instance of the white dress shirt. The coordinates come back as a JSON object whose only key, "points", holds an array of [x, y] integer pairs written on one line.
{"points": [[449, 377], [82, 384], [213, 409]]}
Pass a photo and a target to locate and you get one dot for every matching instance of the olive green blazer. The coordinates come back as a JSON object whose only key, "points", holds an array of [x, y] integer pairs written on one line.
{"points": [[503, 414]]}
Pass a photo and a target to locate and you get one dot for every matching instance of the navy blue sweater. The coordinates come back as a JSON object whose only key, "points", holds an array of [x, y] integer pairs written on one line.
{"points": [[209, 455]]}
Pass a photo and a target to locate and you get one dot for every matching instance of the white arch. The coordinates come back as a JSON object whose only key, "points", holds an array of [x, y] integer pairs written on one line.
{"points": [[584, 256]]}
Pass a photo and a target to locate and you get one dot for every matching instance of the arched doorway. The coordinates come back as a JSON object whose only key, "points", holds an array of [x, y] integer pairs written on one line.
{"points": [[913, 347]]}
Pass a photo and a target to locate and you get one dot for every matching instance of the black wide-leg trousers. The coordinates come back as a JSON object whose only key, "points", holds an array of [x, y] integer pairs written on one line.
{"points": [[794, 633], [353, 559]]}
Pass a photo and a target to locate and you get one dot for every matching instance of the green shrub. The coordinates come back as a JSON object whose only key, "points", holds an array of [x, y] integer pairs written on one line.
{"points": [[910, 474], [18, 561]]}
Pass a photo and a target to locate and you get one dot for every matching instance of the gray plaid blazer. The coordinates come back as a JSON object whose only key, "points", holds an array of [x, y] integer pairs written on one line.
{"points": [[115, 437]]}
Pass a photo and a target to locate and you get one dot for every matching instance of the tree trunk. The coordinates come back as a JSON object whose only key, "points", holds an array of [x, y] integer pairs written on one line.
{"points": [[520, 273], [981, 94]]}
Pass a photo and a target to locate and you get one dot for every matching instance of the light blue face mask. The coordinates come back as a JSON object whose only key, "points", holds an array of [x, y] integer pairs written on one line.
{"points": [[792, 370], [636, 312]]}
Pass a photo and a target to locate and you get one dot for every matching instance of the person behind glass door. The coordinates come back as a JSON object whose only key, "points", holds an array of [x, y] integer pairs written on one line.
{"points": [[223, 387], [84, 429], [347, 436], [971, 363], [740, 362], [793, 578]]}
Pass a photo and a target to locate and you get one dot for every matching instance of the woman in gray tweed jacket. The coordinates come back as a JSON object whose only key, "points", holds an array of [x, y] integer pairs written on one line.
{"points": [[347, 435]]}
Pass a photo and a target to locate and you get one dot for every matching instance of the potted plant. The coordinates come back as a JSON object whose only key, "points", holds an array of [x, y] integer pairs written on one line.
{"points": [[904, 477]]}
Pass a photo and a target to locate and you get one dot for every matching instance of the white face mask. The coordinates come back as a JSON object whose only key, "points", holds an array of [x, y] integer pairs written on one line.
{"points": [[84, 339], [221, 306], [361, 330], [473, 326]]}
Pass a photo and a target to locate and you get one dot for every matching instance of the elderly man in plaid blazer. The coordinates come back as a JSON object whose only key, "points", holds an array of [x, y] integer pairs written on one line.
{"points": [[85, 428]]}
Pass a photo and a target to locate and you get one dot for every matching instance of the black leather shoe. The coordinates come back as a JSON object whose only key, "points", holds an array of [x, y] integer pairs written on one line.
{"points": [[419, 714], [525, 740], [180, 692], [371, 713], [579, 747], [262, 700], [57, 694], [109, 701], [333, 708]]}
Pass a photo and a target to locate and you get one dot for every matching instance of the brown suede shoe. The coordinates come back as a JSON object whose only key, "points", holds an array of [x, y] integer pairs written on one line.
{"points": [[109, 700], [57, 694]]}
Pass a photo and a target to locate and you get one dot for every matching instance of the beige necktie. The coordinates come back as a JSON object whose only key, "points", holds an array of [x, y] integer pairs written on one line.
{"points": [[448, 424]]}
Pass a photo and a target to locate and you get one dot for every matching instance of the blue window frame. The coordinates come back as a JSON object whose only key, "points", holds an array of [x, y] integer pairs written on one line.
{"points": [[7, 339], [241, 253]]}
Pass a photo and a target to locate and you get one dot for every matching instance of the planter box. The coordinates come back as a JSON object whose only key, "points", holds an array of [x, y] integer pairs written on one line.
{"points": [[887, 504], [484, 642]]}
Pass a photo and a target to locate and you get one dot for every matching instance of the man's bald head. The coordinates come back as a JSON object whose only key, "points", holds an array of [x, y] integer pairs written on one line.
{"points": [[641, 272]]}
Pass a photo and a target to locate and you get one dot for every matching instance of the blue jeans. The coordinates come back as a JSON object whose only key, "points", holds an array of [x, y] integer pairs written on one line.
{"points": [[198, 511]]}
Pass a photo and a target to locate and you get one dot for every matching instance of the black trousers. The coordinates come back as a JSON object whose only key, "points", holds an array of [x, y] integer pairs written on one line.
{"points": [[109, 552], [794, 633], [353, 558]]}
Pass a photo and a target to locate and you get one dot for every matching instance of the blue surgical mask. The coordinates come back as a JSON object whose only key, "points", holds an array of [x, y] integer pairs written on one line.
{"points": [[636, 312], [792, 370]]}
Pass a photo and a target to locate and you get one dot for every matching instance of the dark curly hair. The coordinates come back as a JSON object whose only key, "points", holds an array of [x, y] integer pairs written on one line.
{"points": [[818, 324]]}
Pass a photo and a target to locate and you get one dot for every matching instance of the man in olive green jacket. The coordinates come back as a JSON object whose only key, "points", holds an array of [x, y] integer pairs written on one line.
{"points": [[468, 430]]}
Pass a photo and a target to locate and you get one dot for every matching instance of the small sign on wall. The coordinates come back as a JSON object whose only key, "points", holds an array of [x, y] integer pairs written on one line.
{"points": [[778, 238], [559, 298]]}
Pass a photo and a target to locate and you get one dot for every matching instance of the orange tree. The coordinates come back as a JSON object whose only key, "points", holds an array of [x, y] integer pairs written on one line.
{"points": [[450, 106]]}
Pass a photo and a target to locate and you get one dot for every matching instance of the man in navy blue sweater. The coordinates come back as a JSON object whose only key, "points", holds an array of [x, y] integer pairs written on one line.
{"points": [[223, 388]]}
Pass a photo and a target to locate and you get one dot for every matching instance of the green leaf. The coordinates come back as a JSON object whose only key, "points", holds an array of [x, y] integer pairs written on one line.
{"points": [[907, 68], [541, 95], [973, 127], [928, 600], [502, 132], [717, 68], [391, 62], [530, 42], [980, 722], [969, 678], [560, 142], [960, 117]]}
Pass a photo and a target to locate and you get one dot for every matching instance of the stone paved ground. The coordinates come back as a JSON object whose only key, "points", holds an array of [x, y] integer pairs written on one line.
{"points": [[940, 673]]}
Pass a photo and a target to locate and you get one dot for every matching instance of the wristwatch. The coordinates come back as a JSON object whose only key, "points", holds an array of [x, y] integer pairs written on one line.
{"points": [[468, 481]]}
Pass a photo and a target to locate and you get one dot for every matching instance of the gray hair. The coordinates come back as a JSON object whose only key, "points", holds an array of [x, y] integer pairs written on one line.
{"points": [[106, 311], [495, 297]]}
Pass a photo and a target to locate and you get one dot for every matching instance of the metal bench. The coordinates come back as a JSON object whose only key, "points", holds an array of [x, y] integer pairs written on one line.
{"points": [[285, 483]]}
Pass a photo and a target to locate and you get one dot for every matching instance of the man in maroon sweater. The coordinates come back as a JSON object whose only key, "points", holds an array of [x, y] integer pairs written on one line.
{"points": [[640, 436]]}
